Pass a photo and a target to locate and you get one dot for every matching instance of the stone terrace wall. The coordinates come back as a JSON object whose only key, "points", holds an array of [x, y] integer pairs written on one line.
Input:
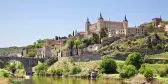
{"points": [[83, 58]]}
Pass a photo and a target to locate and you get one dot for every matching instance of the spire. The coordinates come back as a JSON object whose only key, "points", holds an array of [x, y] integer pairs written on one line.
{"points": [[87, 22], [125, 18], [160, 17], [75, 32], [100, 16]]}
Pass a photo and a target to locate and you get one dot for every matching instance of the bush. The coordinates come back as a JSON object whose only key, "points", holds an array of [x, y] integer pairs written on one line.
{"points": [[3, 73], [31, 54], [51, 61], [75, 70], [163, 71], [120, 67], [134, 59], [41, 68], [59, 72], [148, 73], [108, 65], [142, 69], [128, 71]]}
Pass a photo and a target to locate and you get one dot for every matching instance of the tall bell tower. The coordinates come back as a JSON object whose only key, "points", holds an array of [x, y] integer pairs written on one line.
{"points": [[87, 25]]}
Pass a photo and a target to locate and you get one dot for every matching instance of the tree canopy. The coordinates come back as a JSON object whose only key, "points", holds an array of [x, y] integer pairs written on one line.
{"points": [[135, 59], [108, 65], [103, 32]]}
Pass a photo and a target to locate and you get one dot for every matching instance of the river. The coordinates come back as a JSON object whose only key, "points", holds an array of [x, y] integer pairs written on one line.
{"points": [[56, 80]]}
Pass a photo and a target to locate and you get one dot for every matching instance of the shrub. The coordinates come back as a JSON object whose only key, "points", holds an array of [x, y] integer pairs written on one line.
{"points": [[108, 65], [134, 59], [41, 68], [51, 61], [31, 54], [59, 72], [120, 66], [148, 73], [128, 71], [71, 60], [142, 69], [75, 70], [158, 46], [163, 71], [3, 73]]}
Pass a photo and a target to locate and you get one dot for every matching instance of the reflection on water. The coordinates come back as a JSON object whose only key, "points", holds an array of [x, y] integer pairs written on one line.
{"points": [[55, 80]]}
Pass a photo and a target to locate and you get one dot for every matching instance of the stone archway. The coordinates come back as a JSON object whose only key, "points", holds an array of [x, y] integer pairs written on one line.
{"points": [[28, 63]]}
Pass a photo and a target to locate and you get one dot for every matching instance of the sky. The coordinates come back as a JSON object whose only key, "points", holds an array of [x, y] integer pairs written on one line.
{"points": [[22, 22]]}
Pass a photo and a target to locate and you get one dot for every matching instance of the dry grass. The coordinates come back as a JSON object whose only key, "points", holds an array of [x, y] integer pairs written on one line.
{"points": [[85, 66], [4, 81]]}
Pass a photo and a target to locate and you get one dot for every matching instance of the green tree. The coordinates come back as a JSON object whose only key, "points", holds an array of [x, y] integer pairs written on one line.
{"points": [[128, 71], [95, 38], [86, 42], [56, 38], [41, 68], [77, 43], [148, 73], [40, 41], [75, 70], [150, 26], [135, 59], [69, 35], [103, 32], [108, 65], [31, 54], [59, 72], [38, 46], [70, 43], [142, 69]]}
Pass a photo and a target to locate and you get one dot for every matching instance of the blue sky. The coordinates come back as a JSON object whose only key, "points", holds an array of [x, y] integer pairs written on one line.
{"points": [[24, 21]]}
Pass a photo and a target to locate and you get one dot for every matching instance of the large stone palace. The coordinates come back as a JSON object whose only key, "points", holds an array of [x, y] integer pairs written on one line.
{"points": [[114, 27]]}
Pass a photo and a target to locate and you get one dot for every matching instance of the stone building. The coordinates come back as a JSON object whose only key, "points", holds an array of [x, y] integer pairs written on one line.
{"points": [[44, 52], [156, 21], [115, 28], [166, 28]]}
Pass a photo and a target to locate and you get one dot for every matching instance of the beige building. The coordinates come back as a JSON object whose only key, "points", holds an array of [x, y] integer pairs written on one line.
{"points": [[115, 28], [44, 52], [166, 28]]}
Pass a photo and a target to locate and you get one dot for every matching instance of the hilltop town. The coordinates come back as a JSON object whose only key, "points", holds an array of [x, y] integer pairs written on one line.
{"points": [[105, 37], [139, 51]]}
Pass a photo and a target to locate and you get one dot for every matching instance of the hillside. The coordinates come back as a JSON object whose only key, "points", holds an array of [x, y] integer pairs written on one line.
{"points": [[141, 43], [10, 51]]}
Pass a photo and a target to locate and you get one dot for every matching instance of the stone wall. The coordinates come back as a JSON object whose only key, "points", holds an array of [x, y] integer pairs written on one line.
{"points": [[84, 58], [147, 51]]}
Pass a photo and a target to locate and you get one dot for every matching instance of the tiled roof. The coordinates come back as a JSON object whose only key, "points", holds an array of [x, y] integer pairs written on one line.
{"points": [[53, 42], [82, 33], [156, 18]]}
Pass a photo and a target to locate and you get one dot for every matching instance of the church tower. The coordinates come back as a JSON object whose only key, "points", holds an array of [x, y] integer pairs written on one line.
{"points": [[100, 18], [125, 22], [125, 25], [100, 22], [87, 25]]}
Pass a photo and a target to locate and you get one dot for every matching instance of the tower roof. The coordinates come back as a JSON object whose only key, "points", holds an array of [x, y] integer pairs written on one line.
{"points": [[87, 22], [100, 16], [125, 18]]}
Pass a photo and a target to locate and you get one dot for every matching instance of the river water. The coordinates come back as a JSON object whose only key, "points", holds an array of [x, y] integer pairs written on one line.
{"points": [[55, 80]]}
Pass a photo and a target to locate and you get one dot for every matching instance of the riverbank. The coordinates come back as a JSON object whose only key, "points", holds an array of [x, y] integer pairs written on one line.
{"points": [[4, 81], [93, 66]]}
